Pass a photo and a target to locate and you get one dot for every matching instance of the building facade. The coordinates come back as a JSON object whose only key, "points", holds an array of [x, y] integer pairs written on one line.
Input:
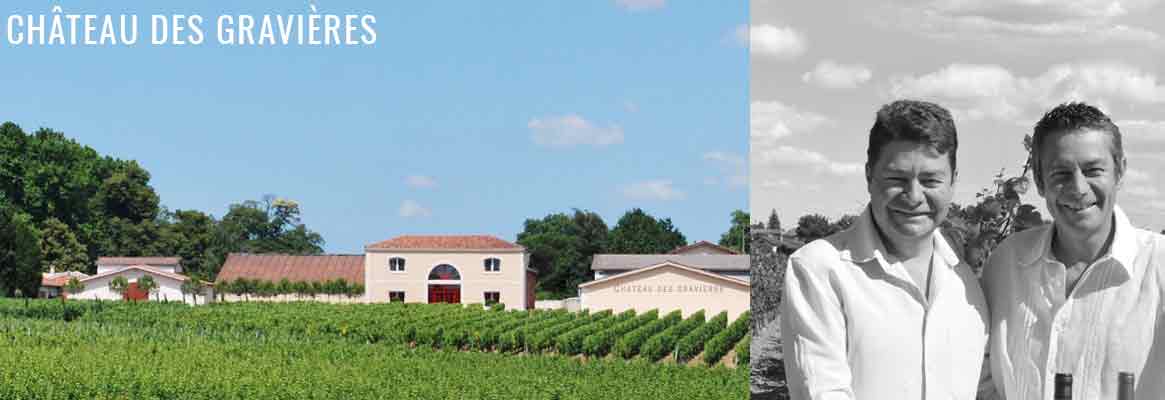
{"points": [[701, 276], [448, 269], [462, 269], [165, 271]]}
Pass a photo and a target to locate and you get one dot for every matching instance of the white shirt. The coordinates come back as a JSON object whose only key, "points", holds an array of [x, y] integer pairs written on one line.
{"points": [[1112, 322], [857, 327]]}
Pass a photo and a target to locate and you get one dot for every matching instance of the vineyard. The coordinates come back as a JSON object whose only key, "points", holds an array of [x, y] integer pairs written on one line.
{"points": [[313, 350]]}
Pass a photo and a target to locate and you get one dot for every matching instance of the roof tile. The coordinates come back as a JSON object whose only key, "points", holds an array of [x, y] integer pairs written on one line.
{"points": [[445, 242], [276, 267]]}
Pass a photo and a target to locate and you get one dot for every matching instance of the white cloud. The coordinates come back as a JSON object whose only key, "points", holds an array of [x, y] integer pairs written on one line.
{"points": [[1141, 130], [572, 130], [785, 184], [657, 190], [831, 75], [782, 43], [1035, 21], [788, 156], [1035, 10], [640, 5], [772, 120], [412, 209], [991, 91], [733, 167], [420, 181]]}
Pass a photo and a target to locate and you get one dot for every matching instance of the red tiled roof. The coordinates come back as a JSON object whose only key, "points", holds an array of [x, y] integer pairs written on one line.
{"points": [[59, 281], [703, 243], [445, 242], [138, 260], [275, 267]]}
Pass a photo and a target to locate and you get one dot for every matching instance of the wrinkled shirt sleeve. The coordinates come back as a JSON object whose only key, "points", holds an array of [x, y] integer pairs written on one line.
{"points": [[814, 334], [994, 282]]}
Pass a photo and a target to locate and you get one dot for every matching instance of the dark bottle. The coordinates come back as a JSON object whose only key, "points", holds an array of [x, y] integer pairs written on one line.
{"points": [[1063, 387], [1126, 384]]}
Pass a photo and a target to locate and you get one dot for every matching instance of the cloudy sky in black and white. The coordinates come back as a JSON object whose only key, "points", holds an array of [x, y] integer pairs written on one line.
{"points": [[821, 69]]}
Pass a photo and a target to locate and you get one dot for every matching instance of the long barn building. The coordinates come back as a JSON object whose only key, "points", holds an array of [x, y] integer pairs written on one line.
{"points": [[411, 268], [702, 276]]}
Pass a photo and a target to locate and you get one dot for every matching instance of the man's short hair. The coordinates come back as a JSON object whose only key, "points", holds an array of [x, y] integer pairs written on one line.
{"points": [[915, 121], [1072, 117]]}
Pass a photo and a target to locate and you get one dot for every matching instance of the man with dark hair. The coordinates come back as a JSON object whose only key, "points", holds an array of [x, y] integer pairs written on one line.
{"points": [[885, 309], [1084, 295]]}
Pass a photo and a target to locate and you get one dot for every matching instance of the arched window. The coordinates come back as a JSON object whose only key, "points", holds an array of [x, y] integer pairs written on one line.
{"points": [[493, 265], [444, 272], [396, 264]]}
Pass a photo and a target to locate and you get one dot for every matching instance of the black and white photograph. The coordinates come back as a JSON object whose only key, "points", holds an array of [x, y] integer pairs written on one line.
{"points": [[957, 199]]}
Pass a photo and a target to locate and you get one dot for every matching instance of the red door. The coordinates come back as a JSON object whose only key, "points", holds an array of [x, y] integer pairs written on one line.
{"points": [[445, 294], [135, 294]]}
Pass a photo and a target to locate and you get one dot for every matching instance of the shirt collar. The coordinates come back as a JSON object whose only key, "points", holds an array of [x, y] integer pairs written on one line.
{"points": [[1123, 248], [865, 243]]}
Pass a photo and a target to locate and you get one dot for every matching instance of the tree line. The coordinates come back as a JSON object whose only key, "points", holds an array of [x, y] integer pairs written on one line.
{"points": [[62, 205], [562, 245]]}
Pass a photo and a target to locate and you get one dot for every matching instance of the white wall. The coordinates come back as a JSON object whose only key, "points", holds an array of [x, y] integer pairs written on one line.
{"points": [[168, 288], [668, 288], [378, 280]]}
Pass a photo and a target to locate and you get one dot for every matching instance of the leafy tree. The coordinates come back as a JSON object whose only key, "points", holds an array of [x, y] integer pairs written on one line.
{"points": [[266, 289], [736, 237], [19, 253], [356, 290], [317, 288], [127, 194], [119, 285], [561, 248], [50, 177], [268, 226], [192, 287], [998, 212], [240, 287], [149, 285], [60, 249], [640, 233], [812, 227], [843, 223], [94, 205], [301, 288], [774, 222], [340, 287], [194, 237], [285, 287], [74, 286]]}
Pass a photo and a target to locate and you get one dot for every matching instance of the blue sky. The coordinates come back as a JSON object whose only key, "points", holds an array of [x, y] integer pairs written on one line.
{"points": [[464, 117], [821, 69]]}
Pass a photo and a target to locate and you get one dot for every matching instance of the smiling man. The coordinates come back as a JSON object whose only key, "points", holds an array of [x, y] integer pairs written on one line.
{"points": [[1083, 295], [885, 309]]}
